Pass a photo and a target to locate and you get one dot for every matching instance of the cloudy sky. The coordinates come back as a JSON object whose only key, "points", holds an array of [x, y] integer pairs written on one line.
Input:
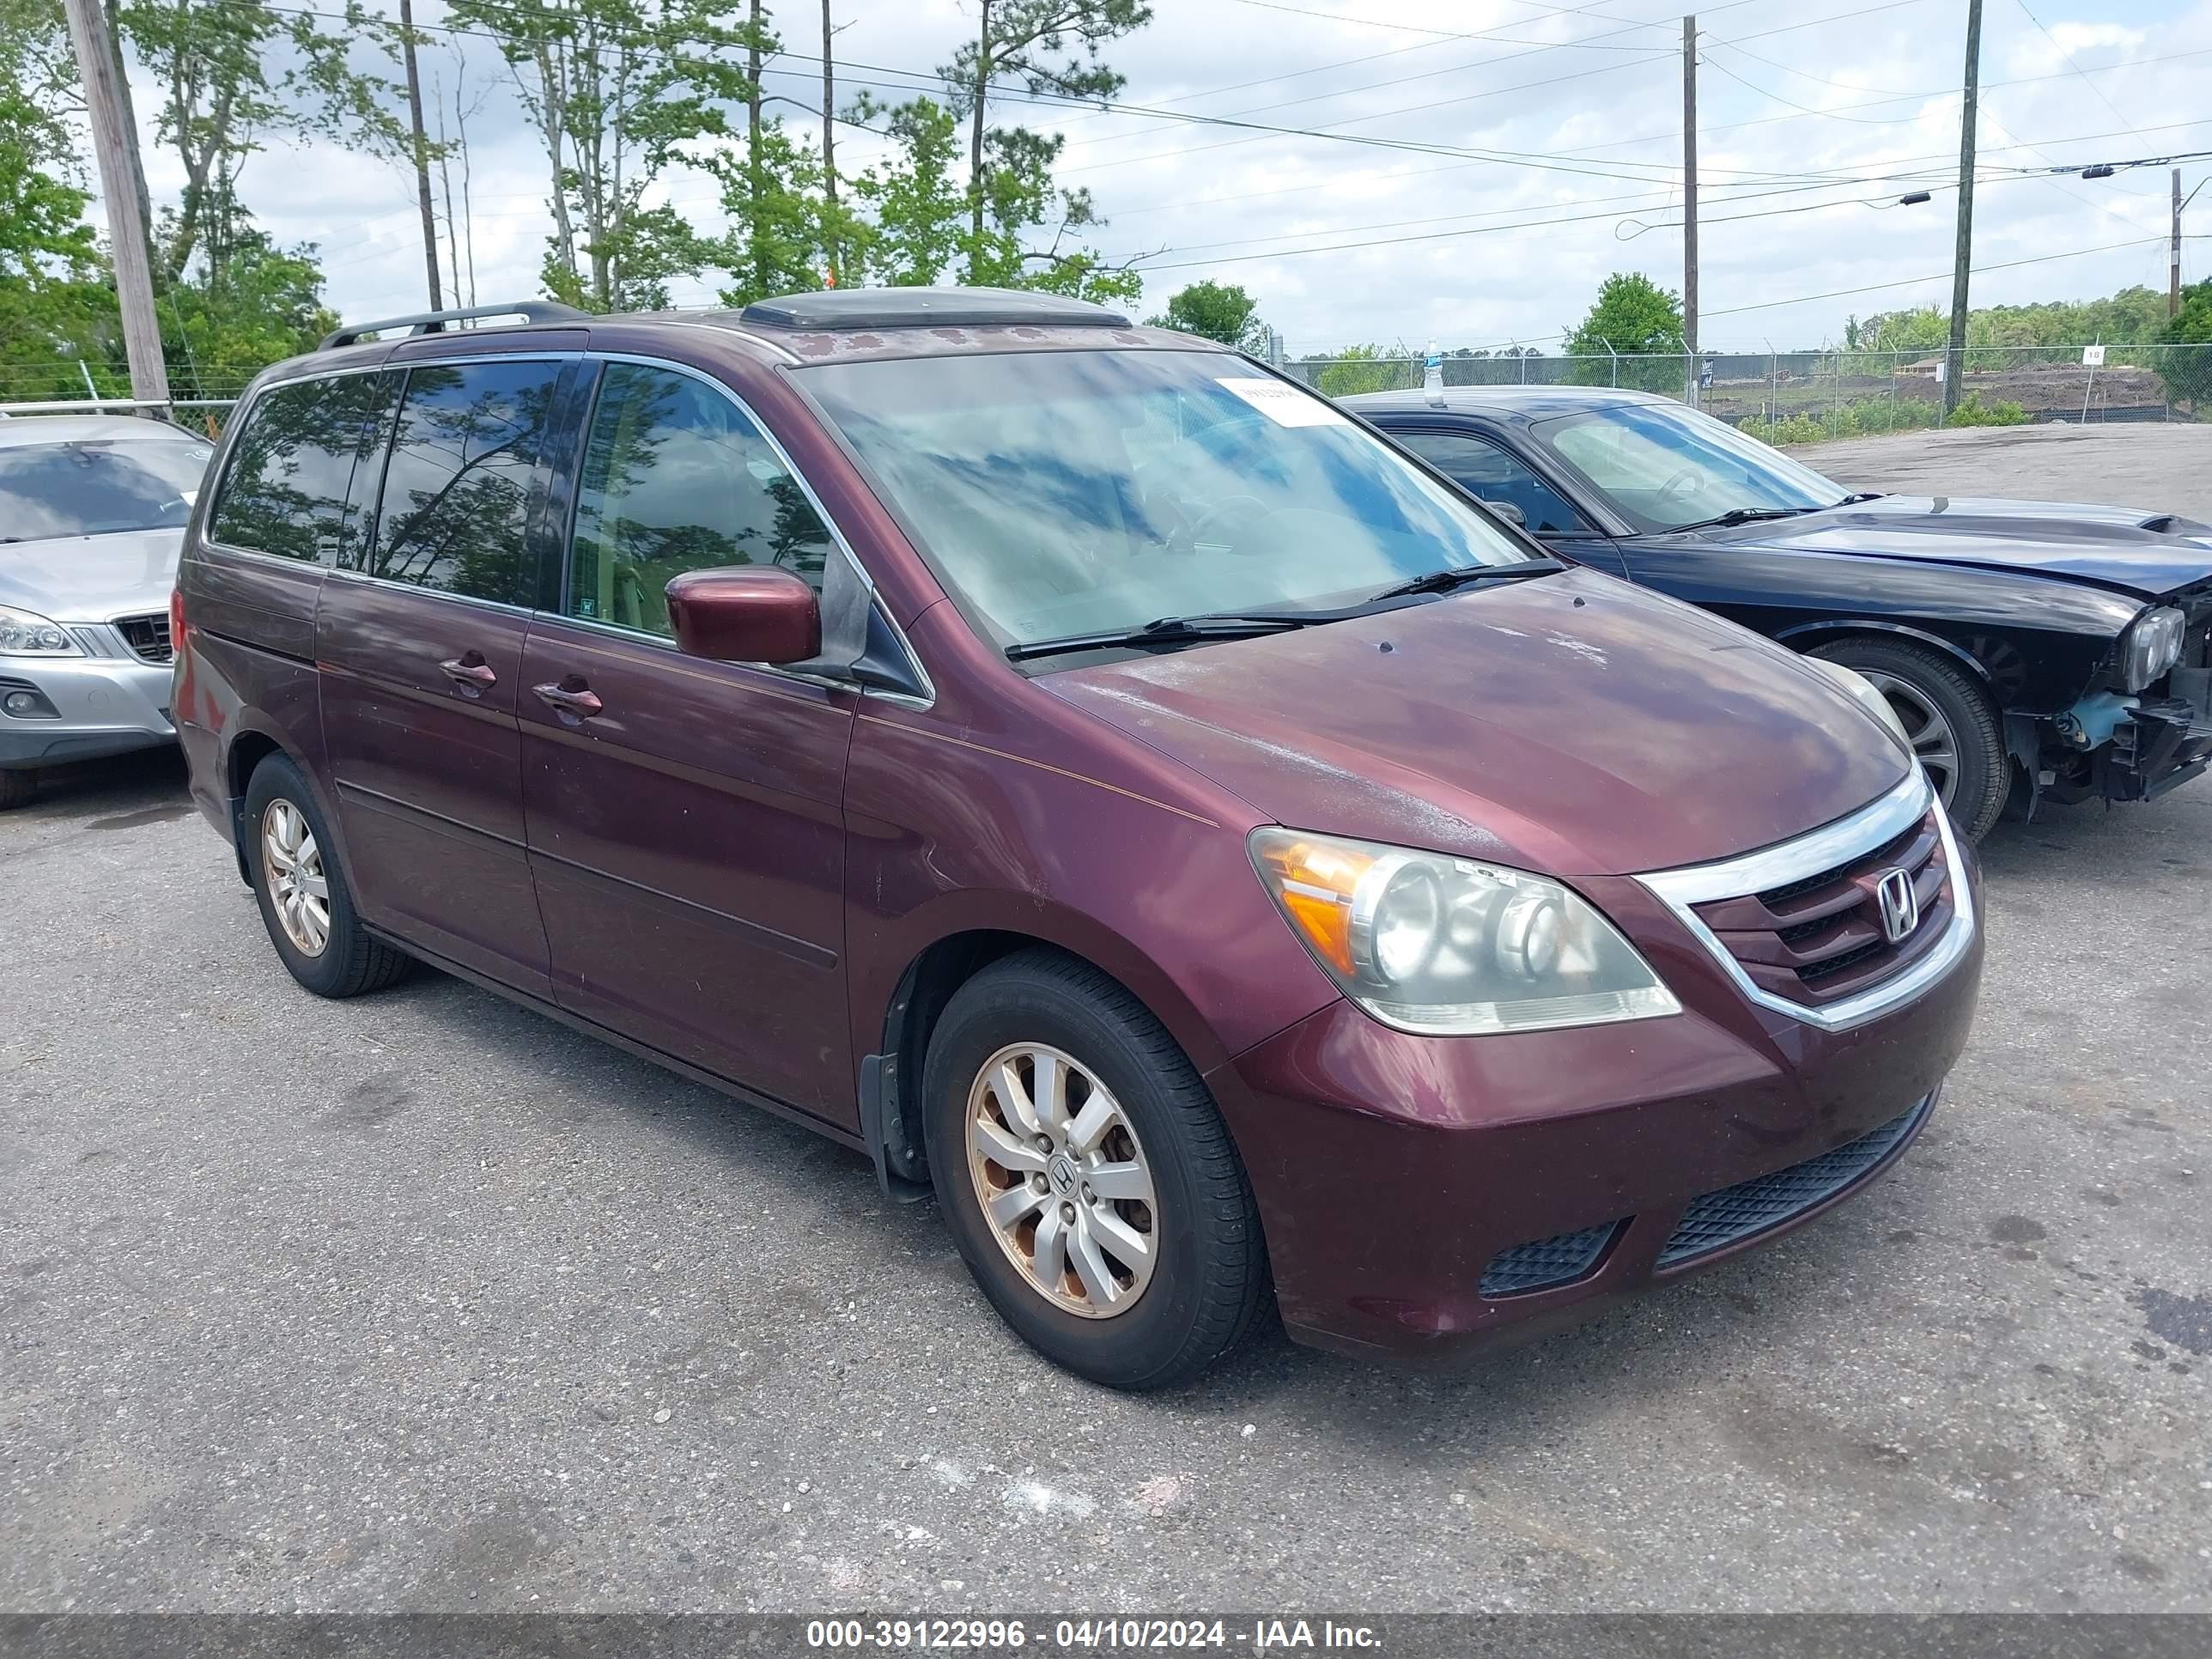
{"points": [[1438, 137]]}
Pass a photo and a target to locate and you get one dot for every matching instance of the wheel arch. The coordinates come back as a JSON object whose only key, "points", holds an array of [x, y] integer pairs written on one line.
{"points": [[890, 1075], [252, 741], [1807, 637]]}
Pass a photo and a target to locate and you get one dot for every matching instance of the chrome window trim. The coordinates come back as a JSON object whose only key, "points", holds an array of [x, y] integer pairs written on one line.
{"points": [[1825, 849], [821, 511], [363, 579]]}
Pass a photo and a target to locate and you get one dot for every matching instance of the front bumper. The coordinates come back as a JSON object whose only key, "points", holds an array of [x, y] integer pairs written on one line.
{"points": [[1422, 1198], [103, 706]]}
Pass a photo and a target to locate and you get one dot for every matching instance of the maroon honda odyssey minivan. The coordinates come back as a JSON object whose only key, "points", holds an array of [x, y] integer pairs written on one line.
{"points": [[1088, 774]]}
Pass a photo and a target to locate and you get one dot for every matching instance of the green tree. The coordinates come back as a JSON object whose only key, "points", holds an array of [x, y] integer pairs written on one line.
{"points": [[2193, 325], [230, 75], [258, 304], [1367, 369], [616, 90], [918, 211], [1213, 311], [56, 307], [1049, 46], [1632, 315], [923, 225]]}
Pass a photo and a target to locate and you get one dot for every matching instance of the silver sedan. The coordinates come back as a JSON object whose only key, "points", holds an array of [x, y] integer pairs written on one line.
{"points": [[92, 515]]}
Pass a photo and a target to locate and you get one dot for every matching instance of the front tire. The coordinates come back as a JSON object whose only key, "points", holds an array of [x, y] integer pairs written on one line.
{"points": [[16, 788], [304, 903], [1953, 729], [1087, 1177]]}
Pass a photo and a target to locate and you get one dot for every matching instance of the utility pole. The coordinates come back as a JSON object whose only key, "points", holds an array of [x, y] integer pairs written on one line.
{"points": [[830, 149], [421, 152], [116, 142], [1690, 203], [2174, 254], [1954, 360]]}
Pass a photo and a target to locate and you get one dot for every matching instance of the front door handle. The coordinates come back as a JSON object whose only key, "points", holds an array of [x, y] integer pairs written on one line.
{"points": [[571, 699], [469, 671]]}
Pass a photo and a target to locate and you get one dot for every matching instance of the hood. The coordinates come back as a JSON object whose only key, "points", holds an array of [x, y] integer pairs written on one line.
{"points": [[92, 578], [2143, 553], [1570, 724]]}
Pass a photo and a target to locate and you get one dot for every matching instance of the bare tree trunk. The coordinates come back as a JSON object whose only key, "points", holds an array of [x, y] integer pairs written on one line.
{"points": [[468, 216], [830, 249], [422, 153], [753, 192], [446, 187], [975, 130]]}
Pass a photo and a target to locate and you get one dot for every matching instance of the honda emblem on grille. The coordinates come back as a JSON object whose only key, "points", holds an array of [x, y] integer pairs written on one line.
{"points": [[1900, 905]]}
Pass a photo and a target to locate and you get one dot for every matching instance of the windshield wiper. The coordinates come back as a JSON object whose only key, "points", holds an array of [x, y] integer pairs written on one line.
{"points": [[1743, 515], [1443, 581], [1162, 630]]}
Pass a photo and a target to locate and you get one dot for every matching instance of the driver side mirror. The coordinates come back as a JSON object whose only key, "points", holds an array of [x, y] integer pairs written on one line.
{"points": [[745, 613], [1507, 511]]}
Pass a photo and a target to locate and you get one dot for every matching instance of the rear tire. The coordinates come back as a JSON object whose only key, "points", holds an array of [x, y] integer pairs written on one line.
{"points": [[16, 788], [1113, 1318], [304, 903], [1955, 732]]}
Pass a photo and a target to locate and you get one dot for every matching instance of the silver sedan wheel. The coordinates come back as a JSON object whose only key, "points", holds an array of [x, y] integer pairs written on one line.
{"points": [[292, 865], [1062, 1181], [1933, 743]]}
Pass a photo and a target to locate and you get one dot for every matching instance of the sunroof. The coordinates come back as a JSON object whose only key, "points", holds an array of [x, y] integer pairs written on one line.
{"points": [[842, 309]]}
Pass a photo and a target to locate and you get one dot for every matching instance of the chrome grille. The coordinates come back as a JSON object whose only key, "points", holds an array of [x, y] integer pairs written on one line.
{"points": [[1823, 938], [1800, 927]]}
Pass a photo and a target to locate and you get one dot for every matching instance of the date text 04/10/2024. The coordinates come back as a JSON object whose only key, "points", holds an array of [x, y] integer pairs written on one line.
{"points": [[1092, 1634]]}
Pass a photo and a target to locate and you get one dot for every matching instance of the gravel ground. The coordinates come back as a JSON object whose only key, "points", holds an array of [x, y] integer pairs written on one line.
{"points": [[423, 1302]]}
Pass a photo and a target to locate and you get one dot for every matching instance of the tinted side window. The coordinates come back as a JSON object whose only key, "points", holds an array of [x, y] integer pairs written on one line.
{"points": [[1488, 471], [676, 478], [284, 490], [457, 489]]}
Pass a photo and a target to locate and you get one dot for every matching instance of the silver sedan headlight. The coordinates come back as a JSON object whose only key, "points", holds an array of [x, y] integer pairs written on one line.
{"points": [[26, 633], [1445, 946], [2152, 645]]}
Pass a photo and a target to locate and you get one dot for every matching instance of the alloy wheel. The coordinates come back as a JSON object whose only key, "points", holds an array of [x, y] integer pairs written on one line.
{"points": [[1062, 1180], [1934, 743], [292, 866]]}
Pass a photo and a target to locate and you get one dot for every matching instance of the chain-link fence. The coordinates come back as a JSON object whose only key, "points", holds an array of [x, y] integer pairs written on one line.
{"points": [[1805, 396]]}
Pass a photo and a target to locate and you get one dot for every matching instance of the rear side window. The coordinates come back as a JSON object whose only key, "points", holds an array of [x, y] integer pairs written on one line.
{"points": [[676, 478], [457, 489], [284, 490], [1488, 471]]}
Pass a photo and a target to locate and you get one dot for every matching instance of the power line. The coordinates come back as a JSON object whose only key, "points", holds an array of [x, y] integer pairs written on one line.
{"points": [[1330, 130], [2075, 67], [1938, 277]]}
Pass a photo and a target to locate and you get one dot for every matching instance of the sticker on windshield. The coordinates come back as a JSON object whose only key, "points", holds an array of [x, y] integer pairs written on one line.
{"points": [[1284, 403]]}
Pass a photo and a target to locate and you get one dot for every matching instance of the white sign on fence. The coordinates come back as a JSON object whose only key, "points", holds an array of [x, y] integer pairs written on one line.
{"points": [[2092, 356]]}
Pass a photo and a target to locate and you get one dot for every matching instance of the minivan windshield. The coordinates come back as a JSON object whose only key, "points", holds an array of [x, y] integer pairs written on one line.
{"points": [[1067, 493], [97, 487], [1664, 466]]}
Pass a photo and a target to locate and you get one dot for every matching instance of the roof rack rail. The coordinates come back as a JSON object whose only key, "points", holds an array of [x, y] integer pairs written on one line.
{"points": [[434, 322]]}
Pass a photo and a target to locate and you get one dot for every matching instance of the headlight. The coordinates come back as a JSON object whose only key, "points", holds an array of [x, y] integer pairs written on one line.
{"points": [[2153, 645], [24, 635], [1445, 946], [1869, 694]]}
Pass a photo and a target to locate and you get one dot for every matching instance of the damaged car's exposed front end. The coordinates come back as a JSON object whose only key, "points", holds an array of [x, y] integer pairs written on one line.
{"points": [[2145, 723]]}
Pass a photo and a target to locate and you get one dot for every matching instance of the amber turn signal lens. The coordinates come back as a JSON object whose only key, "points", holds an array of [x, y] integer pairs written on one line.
{"points": [[1315, 882]]}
